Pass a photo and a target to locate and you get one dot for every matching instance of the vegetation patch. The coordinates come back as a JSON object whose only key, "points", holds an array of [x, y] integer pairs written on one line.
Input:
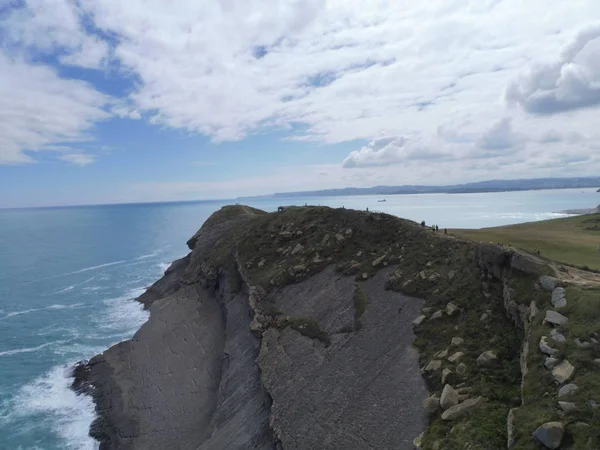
{"points": [[573, 240]]}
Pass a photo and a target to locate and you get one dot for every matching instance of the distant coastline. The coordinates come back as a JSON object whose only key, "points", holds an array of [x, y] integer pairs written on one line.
{"points": [[467, 188]]}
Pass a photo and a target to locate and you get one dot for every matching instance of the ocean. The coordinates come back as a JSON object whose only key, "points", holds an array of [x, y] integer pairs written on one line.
{"points": [[68, 276]]}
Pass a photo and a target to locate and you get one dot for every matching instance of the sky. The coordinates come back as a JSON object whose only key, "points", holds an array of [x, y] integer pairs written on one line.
{"points": [[106, 101]]}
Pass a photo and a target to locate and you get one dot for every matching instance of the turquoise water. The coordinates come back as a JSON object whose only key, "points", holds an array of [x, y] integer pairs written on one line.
{"points": [[67, 277]]}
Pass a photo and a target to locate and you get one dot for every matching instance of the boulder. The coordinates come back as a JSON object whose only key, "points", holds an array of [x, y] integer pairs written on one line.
{"points": [[431, 404], [379, 261], [456, 357], [545, 348], [452, 309], [550, 362], [461, 369], [445, 374], [441, 355], [567, 389], [559, 299], [297, 249], [418, 442], [487, 359], [563, 372], [548, 283], [567, 407], [556, 336], [419, 320], [457, 341], [554, 318], [437, 315], [433, 365], [550, 434], [462, 409], [449, 397], [582, 344]]}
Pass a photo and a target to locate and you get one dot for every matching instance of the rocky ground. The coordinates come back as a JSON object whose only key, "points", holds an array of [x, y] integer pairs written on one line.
{"points": [[294, 330]]}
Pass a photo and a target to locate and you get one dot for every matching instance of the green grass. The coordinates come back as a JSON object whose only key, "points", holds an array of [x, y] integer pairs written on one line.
{"points": [[572, 240]]}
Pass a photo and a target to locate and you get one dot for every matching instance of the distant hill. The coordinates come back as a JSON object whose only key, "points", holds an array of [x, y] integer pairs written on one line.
{"points": [[481, 186]]}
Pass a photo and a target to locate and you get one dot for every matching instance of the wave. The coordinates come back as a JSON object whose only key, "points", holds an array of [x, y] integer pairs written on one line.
{"points": [[29, 349], [123, 314], [87, 269], [49, 402], [163, 266], [45, 308]]}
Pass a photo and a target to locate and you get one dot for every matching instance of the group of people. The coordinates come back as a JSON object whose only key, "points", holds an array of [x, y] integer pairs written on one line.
{"points": [[435, 228]]}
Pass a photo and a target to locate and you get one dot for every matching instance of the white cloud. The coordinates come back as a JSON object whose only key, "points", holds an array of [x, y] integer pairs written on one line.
{"points": [[39, 109], [571, 82], [423, 81], [79, 159]]}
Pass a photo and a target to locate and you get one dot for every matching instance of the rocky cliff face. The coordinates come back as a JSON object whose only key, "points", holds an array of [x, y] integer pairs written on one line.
{"points": [[294, 331]]}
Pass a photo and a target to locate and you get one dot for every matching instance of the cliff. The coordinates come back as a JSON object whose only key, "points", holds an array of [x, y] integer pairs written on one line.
{"points": [[332, 329]]}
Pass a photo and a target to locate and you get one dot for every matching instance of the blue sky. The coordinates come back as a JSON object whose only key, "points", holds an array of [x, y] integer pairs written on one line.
{"points": [[144, 100]]}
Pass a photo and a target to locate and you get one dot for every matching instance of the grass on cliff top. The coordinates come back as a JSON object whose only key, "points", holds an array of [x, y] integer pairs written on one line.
{"points": [[573, 240]]}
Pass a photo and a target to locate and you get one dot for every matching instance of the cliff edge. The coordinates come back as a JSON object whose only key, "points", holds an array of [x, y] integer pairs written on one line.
{"points": [[323, 328]]}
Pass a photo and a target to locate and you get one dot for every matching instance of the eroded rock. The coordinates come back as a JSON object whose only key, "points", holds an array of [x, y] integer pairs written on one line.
{"points": [[567, 389], [449, 397], [550, 434], [555, 318], [462, 409], [563, 372]]}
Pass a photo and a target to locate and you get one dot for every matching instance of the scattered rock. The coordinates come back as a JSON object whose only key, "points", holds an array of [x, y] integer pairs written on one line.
{"points": [[457, 341], [563, 372], [431, 404], [262, 262], [419, 320], [300, 268], [567, 389], [582, 344], [422, 274], [550, 363], [456, 357], [451, 274], [449, 397], [340, 238], [545, 348], [433, 365], [359, 254], [554, 318], [377, 262], [325, 240], [297, 249], [533, 310], [484, 317], [348, 232], [427, 310], [556, 336], [548, 283], [461, 369], [567, 407], [445, 374], [452, 309], [418, 442], [441, 355], [550, 434], [437, 315], [559, 299], [462, 409], [593, 404], [365, 275], [487, 359]]}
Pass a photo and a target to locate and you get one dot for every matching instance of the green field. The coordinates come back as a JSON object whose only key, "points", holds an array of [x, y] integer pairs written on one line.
{"points": [[572, 241]]}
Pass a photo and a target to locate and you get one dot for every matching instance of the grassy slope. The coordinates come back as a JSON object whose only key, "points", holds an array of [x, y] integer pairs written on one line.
{"points": [[573, 240]]}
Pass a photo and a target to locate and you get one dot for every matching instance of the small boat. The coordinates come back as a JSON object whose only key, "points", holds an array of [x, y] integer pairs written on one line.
{"points": [[381, 201]]}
